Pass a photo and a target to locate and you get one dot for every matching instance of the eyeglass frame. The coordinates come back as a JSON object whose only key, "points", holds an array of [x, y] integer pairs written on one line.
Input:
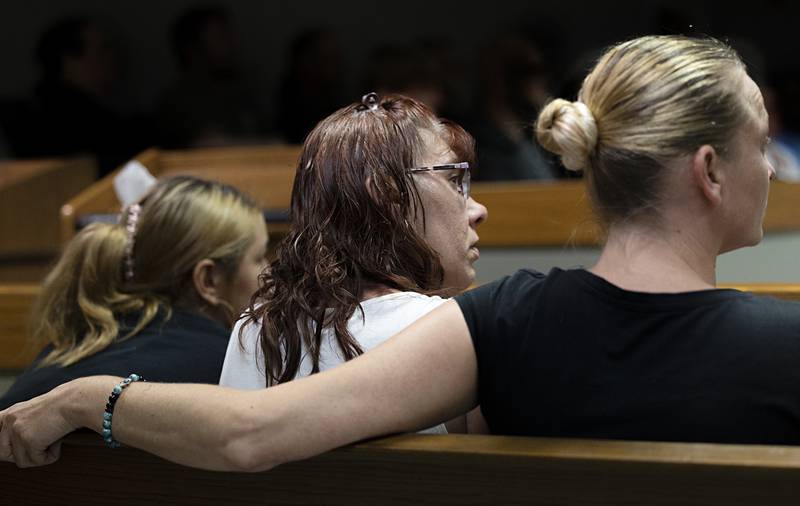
{"points": [[466, 179]]}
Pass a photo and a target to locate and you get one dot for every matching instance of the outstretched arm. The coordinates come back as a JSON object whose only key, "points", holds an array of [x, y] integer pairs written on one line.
{"points": [[422, 376]]}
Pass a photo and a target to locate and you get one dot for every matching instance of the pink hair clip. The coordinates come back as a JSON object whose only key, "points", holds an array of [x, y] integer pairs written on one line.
{"points": [[130, 228]]}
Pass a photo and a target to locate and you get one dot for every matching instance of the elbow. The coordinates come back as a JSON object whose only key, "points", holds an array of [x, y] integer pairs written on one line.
{"points": [[242, 458], [245, 448]]}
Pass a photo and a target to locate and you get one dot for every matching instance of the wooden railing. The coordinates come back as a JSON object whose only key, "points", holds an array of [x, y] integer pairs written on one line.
{"points": [[31, 193], [419, 469], [521, 213], [557, 214], [16, 301], [265, 173]]}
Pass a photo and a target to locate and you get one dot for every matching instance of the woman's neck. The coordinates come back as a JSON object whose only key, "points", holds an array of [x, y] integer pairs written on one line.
{"points": [[662, 260]]}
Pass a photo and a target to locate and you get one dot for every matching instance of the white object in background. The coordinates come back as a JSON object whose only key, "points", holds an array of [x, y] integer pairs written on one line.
{"points": [[132, 182], [785, 163]]}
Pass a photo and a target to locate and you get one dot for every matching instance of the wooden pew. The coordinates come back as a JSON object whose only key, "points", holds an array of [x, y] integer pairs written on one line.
{"points": [[424, 469], [17, 299], [785, 291], [521, 213], [530, 213], [265, 173], [31, 193], [556, 214]]}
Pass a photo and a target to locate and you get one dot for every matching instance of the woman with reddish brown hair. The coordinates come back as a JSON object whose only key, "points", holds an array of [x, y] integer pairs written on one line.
{"points": [[382, 229]]}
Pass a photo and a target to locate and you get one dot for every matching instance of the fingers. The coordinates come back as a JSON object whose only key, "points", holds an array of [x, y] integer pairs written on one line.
{"points": [[6, 451], [17, 447], [18, 450], [17, 444]]}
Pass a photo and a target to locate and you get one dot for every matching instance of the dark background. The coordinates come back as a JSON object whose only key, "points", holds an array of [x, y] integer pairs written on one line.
{"points": [[565, 30]]}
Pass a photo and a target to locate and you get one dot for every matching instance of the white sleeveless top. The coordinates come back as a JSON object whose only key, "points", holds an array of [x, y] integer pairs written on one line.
{"points": [[384, 317]]}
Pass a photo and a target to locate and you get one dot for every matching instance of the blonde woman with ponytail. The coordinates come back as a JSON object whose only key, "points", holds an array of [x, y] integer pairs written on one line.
{"points": [[156, 293], [670, 133]]}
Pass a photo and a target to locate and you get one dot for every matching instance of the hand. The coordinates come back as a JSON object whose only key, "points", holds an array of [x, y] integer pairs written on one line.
{"points": [[31, 431]]}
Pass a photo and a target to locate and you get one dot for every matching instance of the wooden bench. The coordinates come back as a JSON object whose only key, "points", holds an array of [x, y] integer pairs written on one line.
{"points": [[521, 214], [420, 469], [17, 299], [31, 193], [265, 173], [556, 214]]}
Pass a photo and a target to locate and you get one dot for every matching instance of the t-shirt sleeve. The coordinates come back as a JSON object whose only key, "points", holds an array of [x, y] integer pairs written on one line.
{"points": [[497, 317], [478, 307], [491, 309]]}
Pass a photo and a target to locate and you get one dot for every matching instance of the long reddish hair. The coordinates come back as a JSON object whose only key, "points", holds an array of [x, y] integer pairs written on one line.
{"points": [[352, 213]]}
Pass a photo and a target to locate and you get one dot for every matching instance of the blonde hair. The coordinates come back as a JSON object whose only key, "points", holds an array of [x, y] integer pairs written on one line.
{"points": [[646, 102], [183, 220]]}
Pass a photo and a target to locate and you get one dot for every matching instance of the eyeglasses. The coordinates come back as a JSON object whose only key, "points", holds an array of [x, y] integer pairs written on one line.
{"points": [[460, 179]]}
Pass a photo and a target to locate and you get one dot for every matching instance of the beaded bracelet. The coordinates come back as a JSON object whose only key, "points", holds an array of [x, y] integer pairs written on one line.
{"points": [[109, 412]]}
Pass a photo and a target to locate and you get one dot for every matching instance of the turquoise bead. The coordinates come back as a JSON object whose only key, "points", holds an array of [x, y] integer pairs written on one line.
{"points": [[106, 433], [117, 389], [106, 424], [107, 416], [134, 377]]}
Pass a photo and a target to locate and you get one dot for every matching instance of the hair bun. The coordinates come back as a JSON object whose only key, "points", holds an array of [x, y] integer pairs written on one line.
{"points": [[569, 130]]}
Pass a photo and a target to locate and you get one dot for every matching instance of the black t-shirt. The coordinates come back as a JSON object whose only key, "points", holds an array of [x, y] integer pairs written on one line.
{"points": [[571, 355], [187, 348]]}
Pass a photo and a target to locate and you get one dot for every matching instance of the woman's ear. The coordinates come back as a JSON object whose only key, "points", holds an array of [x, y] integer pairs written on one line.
{"points": [[707, 173], [207, 281]]}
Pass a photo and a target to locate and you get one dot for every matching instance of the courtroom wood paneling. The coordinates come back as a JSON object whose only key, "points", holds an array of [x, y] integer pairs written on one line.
{"points": [[558, 214], [784, 291], [16, 301], [783, 208], [419, 469], [536, 214], [265, 173], [26, 268], [521, 213], [31, 193]]}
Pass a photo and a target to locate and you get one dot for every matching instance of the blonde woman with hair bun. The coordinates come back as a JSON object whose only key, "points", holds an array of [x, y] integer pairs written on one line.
{"points": [[640, 346], [156, 293]]}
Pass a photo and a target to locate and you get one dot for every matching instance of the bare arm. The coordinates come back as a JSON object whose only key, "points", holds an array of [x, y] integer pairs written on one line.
{"points": [[422, 376], [476, 423]]}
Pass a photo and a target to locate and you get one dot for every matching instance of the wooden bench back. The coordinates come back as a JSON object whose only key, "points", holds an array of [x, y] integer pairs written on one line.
{"points": [[16, 301], [557, 214], [521, 213], [265, 173], [31, 193], [420, 469]]}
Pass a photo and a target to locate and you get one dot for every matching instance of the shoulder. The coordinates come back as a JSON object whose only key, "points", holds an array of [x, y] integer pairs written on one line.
{"points": [[191, 324], [492, 309], [405, 305], [766, 312], [515, 287], [387, 315], [245, 337], [243, 367]]}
